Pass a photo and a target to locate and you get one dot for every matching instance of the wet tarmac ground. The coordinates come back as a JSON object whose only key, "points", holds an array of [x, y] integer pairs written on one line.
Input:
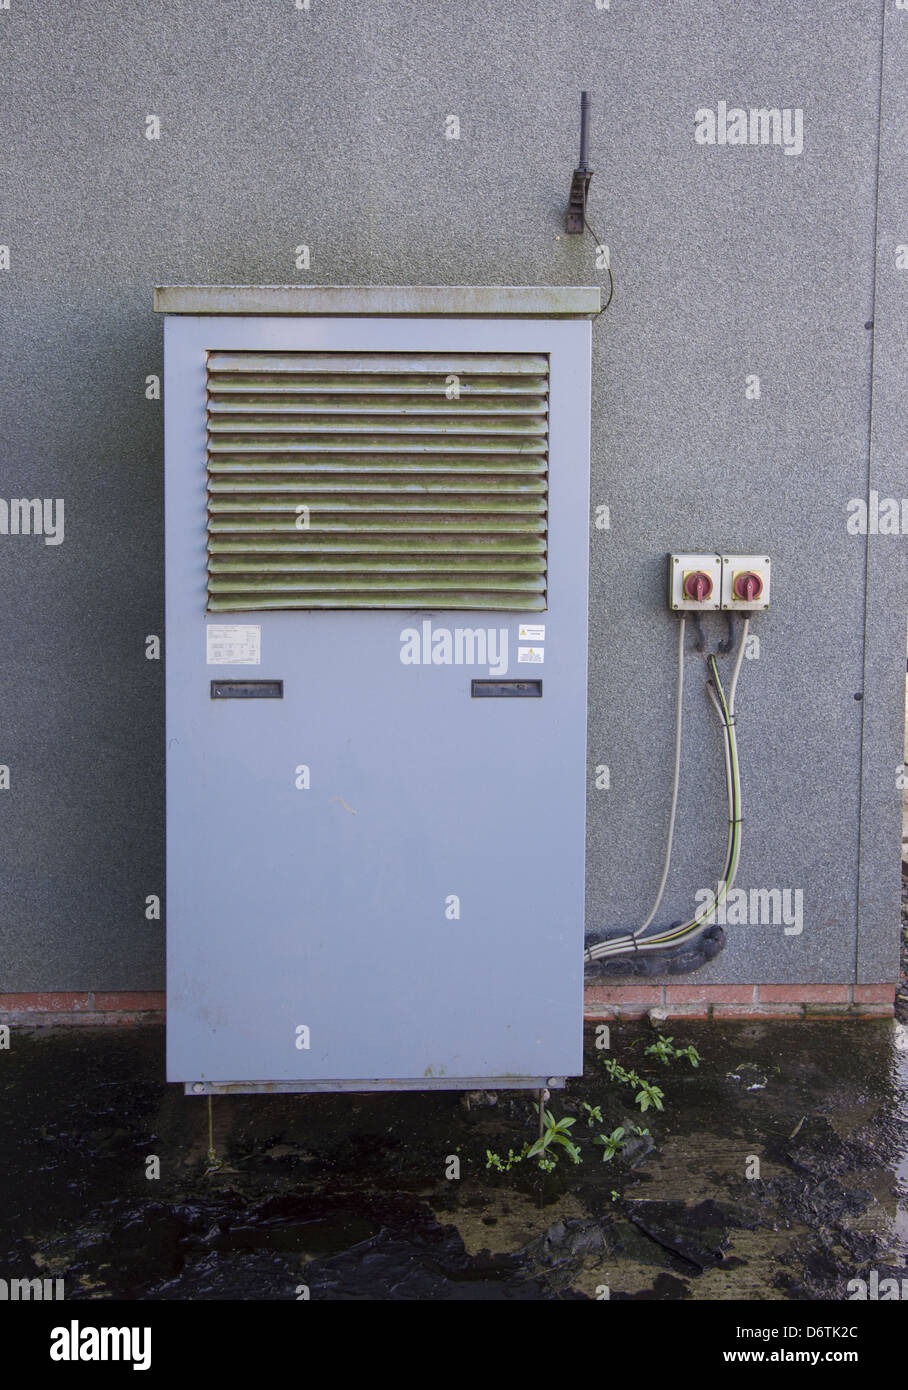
{"points": [[777, 1169]]}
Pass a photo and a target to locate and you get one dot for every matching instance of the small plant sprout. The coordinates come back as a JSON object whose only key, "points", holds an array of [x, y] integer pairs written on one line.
{"points": [[649, 1095], [504, 1165], [611, 1143], [665, 1050], [593, 1114], [646, 1093], [618, 1073], [555, 1135]]}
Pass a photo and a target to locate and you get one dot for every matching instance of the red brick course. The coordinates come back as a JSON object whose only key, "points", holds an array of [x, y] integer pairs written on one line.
{"points": [[688, 1011], [55, 1001], [710, 994], [873, 994], [741, 1002], [129, 1002], [64, 1009], [805, 994], [642, 995], [747, 1012], [113, 1008]]}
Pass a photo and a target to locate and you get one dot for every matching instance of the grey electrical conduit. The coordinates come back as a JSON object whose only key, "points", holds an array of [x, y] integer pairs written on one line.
{"points": [[676, 780], [625, 945]]}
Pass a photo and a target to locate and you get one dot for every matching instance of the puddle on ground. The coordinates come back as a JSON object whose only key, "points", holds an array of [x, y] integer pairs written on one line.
{"points": [[778, 1169]]}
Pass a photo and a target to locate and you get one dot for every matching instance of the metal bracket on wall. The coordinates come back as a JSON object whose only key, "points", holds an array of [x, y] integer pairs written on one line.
{"points": [[580, 183]]}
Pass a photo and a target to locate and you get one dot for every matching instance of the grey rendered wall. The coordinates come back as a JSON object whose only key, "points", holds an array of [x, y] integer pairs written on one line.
{"points": [[281, 127]]}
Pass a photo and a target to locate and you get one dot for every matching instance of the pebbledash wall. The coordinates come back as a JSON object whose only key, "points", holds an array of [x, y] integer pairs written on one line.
{"points": [[749, 389]]}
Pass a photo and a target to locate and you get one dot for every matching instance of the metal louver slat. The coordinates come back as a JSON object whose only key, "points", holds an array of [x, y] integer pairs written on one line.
{"points": [[377, 480]]}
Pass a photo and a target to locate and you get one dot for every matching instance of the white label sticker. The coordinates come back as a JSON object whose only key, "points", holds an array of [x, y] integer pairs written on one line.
{"points": [[536, 655], [531, 632], [229, 645]]}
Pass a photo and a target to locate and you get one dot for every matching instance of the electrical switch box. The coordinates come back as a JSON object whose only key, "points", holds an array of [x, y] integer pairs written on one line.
{"points": [[694, 582], [745, 583]]}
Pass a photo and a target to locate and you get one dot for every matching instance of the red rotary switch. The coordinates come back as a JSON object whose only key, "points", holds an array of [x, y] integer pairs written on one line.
{"points": [[747, 586], [697, 586]]}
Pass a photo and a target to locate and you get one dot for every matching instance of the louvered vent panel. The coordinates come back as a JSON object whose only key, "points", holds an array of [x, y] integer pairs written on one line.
{"points": [[417, 496]]}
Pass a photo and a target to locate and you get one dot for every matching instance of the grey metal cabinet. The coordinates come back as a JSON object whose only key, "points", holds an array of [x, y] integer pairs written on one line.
{"points": [[377, 531]]}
